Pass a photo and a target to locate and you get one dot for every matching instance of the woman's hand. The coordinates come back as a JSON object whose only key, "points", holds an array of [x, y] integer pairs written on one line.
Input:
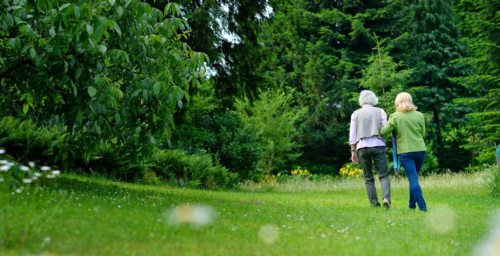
{"points": [[354, 157]]}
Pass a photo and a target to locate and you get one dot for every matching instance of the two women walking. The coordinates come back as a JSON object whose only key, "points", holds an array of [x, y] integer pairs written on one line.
{"points": [[368, 125]]}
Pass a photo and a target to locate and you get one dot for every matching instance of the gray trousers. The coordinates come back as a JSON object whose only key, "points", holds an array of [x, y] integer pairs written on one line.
{"points": [[375, 156]]}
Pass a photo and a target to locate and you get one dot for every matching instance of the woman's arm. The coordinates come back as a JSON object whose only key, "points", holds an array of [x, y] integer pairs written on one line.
{"points": [[388, 127], [383, 120], [352, 138], [423, 126], [353, 131]]}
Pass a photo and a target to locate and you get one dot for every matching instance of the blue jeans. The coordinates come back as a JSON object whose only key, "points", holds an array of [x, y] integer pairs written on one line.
{"points": [[412, 162]]}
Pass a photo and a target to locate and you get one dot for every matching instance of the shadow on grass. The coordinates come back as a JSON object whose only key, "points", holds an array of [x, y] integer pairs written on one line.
{"points": [[99, 186]]}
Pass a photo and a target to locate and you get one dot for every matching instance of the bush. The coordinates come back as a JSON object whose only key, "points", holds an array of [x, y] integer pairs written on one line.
{"points": [[118, 163], [431, 164], [112, 74], [274, 120], [25, 142], [223, 135], [150, 178], [191, 170]]}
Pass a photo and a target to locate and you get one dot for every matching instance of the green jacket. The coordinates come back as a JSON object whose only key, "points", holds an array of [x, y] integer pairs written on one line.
{"points": [[410, 131]]}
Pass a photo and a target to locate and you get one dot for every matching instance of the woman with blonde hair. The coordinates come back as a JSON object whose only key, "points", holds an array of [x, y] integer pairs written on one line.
{"points": [[409, 127]]}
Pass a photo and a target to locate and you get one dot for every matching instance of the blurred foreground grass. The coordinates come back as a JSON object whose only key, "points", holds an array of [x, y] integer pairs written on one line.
{"points": [[87, 216]]}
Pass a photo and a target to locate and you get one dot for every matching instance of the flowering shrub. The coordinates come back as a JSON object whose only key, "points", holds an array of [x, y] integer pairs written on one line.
{"points": [[298, 171], [351, 170], [270, 179], [15, 175]]}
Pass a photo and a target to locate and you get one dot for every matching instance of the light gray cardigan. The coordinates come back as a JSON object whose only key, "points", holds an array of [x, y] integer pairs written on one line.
{"points": [[368, 120]]}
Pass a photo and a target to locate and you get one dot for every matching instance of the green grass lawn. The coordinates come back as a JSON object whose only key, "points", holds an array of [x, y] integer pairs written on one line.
{"points": [[83, 216]]}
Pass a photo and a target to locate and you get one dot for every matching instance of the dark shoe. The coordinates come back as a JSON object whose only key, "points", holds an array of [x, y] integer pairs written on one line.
{"points": [[376, 204], [386, 203]]}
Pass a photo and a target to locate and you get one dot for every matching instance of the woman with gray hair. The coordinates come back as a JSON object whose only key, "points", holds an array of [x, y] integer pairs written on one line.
{"points": [[368, 147]]}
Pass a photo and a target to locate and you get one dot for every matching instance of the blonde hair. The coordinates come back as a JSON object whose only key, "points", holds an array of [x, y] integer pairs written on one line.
{"points": [[404, 103]]}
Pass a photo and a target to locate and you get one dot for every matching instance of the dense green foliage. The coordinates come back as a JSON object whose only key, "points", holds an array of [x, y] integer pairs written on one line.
{"points": [[227, 31], [242, 89], [319, 49], [435, 48], [478, 22], [29, 142], [384, 77], [223, 135], [104, 83], [274, 122], [199, 170]]}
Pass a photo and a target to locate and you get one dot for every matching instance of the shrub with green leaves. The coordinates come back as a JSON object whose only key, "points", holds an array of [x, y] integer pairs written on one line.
{"points": [[274, 121], [109, 71], [223, 135], [192, 170], [26, 141]]}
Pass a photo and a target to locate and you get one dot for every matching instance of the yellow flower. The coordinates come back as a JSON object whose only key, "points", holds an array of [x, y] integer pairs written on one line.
{"points": [[350, 170], [299, 171]]}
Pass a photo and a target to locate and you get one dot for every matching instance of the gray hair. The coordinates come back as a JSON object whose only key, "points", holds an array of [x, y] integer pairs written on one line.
{"points": [[367, 97]]}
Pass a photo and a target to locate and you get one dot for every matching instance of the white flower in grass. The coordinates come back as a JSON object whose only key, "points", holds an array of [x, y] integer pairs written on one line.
{"points": [[27, 181], [56, 172], [50, 176], [269, 234], [18, 190], [24, 168], [37, 175], [197, 215], [4, 168], [3, 161], [45, 168], [2, 151], [31, 164]]}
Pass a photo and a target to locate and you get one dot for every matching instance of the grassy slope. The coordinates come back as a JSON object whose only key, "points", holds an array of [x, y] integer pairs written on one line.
{"points": [[96, 217]]}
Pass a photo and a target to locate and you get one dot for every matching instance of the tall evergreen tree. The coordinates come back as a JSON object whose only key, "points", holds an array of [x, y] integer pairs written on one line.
{"points": [[319, 48], [226, 31], [434, 51], [479, 24], [384, 76]]}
